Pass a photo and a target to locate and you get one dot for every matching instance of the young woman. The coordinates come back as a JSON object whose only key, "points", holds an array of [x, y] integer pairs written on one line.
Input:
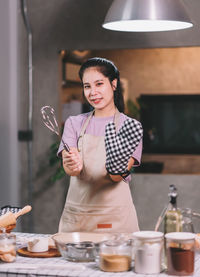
{"points": [[99, 197]]}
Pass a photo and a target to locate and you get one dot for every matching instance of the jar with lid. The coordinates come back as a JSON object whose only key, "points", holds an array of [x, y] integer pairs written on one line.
{"points": [[180, 253], [7, 247], [148, 248], [115, 255]]}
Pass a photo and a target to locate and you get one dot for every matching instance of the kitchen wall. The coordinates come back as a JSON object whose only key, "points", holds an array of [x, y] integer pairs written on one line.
{"points": [[150, 196], [48, 197], [158, 70], [14, 183], [9, 89]]}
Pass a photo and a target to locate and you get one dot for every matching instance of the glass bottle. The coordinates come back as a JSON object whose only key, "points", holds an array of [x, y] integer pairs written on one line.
{"points": [[173, 215], [187, 220]]}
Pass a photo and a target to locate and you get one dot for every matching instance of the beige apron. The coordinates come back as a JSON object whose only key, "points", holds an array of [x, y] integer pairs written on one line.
{"points": [[94, 202]]}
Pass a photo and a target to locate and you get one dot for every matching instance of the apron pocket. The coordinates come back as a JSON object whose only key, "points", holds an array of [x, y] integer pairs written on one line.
{"points": [[98, 219], [108, 219], [101, 222], [70, 221]]}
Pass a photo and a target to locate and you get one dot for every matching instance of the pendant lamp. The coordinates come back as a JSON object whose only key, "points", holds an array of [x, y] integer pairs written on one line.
{"points": [[147, 16]]}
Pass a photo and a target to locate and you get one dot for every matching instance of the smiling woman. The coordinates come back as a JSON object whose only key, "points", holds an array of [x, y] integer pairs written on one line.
{"points": [[104, 144], [99, 91]]}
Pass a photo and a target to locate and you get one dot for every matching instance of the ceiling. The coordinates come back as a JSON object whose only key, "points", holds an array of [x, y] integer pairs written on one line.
{"points": [[76, 24]]}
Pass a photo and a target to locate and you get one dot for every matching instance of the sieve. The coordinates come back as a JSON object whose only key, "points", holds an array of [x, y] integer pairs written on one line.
{"points": [[84, 251], [49, 120]]}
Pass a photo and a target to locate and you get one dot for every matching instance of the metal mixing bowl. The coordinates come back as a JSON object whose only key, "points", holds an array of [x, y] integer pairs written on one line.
{"points": [[79, 246]]}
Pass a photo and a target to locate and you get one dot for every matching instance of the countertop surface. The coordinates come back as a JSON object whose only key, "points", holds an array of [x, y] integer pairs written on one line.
{"points": [[25, 266]]}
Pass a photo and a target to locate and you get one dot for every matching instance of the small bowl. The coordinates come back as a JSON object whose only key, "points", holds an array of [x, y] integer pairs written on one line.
{"points": [[79, 246], [38, 244]]}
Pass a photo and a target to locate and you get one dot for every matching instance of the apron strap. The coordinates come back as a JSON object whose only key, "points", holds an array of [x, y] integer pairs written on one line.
{"points": [[116, 120], [83, 129]]}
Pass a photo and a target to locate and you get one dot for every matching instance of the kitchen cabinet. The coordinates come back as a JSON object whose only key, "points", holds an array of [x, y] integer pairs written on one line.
{"points": [[71, 101]]}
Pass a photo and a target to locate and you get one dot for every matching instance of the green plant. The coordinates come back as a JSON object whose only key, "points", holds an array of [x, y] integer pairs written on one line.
{"points": [[55, 162], [133, 108], [49, 170]]}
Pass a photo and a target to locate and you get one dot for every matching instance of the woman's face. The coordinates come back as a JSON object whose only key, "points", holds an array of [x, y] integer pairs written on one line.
{"points": [[98, 90]]}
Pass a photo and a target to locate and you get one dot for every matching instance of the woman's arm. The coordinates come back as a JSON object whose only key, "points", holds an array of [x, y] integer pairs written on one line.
{"points": [[120, 146], [118, 178], [72, 162]]}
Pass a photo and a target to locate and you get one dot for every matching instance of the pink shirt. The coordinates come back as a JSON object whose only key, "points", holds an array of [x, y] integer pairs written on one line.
{"points": [[96, 127]]}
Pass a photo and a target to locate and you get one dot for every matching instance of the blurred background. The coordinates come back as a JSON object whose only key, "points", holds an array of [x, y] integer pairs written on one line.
{"points": [[161, 84]]}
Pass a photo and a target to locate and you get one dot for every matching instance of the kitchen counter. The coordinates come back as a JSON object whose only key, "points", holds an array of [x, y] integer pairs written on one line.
{"points": [[24, 266]]}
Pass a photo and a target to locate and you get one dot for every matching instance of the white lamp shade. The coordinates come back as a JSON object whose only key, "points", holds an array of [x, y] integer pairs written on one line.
{"points": [[147, 16]]}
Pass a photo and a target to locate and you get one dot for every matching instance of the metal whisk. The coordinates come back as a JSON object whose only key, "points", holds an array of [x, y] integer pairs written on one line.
{"points": [[49, 119]]}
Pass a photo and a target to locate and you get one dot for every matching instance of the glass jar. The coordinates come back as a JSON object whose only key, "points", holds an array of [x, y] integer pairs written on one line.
{"points": [[148, 248], [180, 253], [7, 247], [187, 217], [115, 255]]}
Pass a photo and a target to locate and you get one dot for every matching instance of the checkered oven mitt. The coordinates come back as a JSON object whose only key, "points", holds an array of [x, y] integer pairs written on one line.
{"points": [[120, 146]]}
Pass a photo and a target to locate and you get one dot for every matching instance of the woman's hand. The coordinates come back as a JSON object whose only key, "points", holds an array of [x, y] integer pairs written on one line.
{"points": [[121, 145], [72, 162], [118, 178]]}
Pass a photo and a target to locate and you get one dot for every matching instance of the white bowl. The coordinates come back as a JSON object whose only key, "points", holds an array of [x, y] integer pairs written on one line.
{"points": [[38, 244]]}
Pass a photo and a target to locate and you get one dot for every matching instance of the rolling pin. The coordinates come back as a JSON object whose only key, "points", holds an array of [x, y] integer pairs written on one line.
{"points": [[10, 218]]}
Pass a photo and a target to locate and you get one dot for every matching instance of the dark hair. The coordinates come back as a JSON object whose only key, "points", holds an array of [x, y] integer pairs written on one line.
{"points": [[109, 70]]}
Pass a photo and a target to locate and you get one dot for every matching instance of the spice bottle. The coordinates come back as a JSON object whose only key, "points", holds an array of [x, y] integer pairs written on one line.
{"points": [[173, 215], [148, 247], [115, 255], [180, 253]]}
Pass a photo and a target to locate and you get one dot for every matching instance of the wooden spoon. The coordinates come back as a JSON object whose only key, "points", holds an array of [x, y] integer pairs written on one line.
{"points": [[23, 211]]}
